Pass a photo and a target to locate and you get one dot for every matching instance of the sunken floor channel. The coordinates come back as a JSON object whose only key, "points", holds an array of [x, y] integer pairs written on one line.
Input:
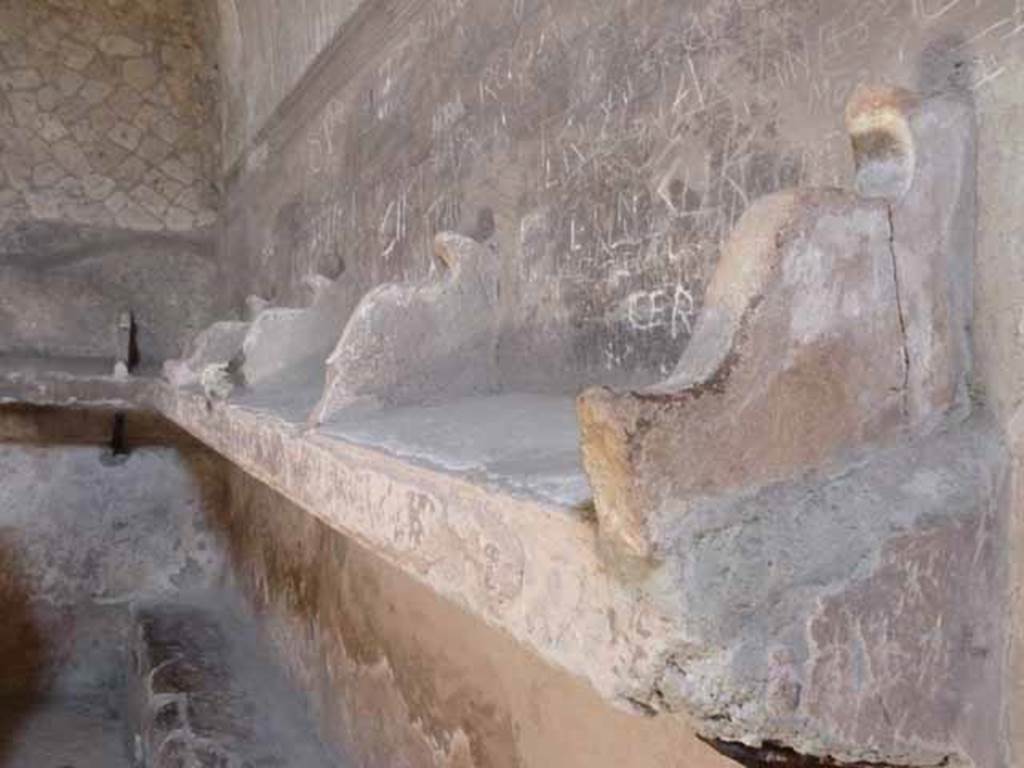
{"points": [[123, 642]]}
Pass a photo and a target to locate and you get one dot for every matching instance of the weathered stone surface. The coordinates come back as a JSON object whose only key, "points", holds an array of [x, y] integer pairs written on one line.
{"points": [[292, 345], [75, 56], [209, 698], [613, 150], [20, 80], [151, 503], [414, 343], [218, 381], [46, 175], [438, 681], [59, 306], [766, 600], [54, 315], [126, 135], [830, 322], [934, 231], [610, 198], [179, 219], [884, 149], [80, 536], [258, 78], [723, 630], [445, 689], [60, 382], [527, 566], [99, 187], [134, 216], [798, 354], [141, 74], [849, 614]]}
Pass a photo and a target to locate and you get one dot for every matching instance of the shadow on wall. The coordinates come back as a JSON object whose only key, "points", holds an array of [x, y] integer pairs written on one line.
{"points": [[23, 652]]}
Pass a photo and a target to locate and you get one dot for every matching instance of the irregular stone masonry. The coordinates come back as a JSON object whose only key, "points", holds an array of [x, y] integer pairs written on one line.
{"points": [[103, 118]]}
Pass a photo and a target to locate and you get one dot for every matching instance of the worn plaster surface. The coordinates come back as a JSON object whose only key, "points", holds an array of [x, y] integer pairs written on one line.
{"points": [[831, 321], [443, 688], [603, 154], [519, 562], [807, 362], [265, 49], [410, 344], [67, 303], [208, 693], [775, 611], [83, 536], [528, 444], [87, 736], [115, 607], [606, 151], [857, 607]]}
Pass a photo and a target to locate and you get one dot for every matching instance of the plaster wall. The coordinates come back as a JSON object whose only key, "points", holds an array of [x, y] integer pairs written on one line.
{"points": [[395, 674], [399, 676], [82, 536], [266, 47], [999, 342], [605, 151]]}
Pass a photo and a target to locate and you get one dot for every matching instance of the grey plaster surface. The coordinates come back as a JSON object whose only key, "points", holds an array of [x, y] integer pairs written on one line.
{"points": [[266, 48], [62, 733], [819, 611], [289, 397], [406, 344], [90, 529], [69, 381], [68, 305], [762, 606], [30, 366], [607, 150], [83, 535], [210, 691], [516, 561], [525, 443]]}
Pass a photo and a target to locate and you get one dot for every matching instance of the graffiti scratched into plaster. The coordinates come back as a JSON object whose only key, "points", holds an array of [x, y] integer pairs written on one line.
{"points": [[643, 137]]}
